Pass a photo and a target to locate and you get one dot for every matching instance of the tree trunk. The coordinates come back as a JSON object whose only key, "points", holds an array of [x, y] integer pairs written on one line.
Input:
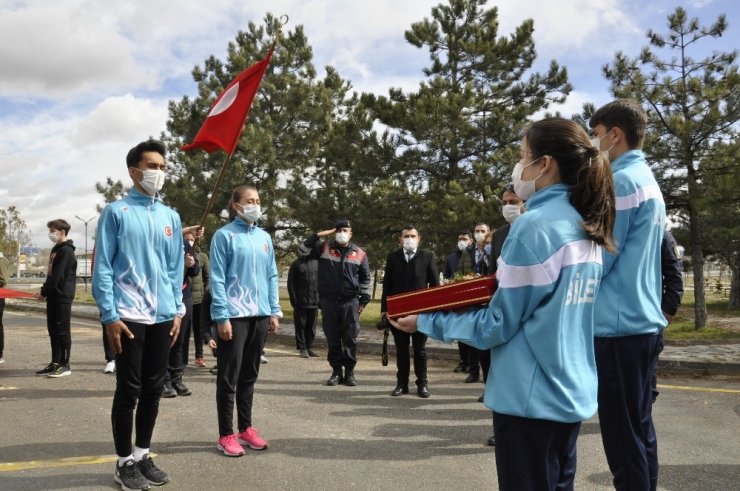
{"points": [[697, 259], [734, 302]]}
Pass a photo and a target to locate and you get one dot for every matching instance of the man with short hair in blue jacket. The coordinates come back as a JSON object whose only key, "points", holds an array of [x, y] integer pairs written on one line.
{"points": [[628, 316], [137, 285]]}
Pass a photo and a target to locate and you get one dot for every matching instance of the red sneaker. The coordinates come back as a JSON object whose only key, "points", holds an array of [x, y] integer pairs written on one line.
{"points": [[229, 446], [252, 438]]}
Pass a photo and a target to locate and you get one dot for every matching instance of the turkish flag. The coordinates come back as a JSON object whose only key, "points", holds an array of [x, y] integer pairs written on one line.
{"points": [[8, 293], [228, 113]]}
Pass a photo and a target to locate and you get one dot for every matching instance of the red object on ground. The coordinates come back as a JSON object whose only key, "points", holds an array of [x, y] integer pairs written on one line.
{"points": [[451, 296], [8, 293]]}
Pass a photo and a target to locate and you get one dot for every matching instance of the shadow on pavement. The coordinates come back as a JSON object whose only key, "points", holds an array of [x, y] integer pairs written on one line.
{"points": [[685, 477]]}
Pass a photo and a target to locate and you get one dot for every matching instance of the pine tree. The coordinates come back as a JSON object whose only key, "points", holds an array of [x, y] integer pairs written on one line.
{"points": [[691, 104]]}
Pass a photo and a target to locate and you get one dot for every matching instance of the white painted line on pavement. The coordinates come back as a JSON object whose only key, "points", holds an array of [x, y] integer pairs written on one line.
{"points": [[699, 389]]}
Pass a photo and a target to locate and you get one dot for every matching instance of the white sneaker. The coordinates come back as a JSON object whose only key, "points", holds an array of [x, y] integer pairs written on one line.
{"points": [[2, 360], [110, 367], [263, 359]]}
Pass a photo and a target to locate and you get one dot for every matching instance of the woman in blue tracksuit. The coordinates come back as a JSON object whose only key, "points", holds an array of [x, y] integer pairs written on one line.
{"points": [[244, 287], [539, 323]]}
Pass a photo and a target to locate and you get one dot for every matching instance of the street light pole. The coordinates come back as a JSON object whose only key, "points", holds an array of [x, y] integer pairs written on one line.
{"points": [[87, 260]]}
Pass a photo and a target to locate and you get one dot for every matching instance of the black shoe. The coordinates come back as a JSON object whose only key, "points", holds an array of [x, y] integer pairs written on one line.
{"points": [[400, 389], [466, 369], [312, 353], [304, 353], [48, 369], [473, 377], [423, 391], [60, 370], [335, 379], [129, 477], [491, 442], [459, 368], [151, 472], [214, 370], [181, 389], [168, 391], [482, 397], [349, 379]]}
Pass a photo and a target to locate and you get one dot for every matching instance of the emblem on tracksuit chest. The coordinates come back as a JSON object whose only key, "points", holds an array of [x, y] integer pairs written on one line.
{"points": [[168, 231], [265, 247]]}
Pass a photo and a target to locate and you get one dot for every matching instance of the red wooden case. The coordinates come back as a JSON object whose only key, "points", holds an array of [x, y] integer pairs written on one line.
{"points": [[451, 296]]}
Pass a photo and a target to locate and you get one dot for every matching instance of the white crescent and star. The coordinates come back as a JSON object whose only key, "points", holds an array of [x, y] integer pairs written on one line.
{"points": [[226, 101]]}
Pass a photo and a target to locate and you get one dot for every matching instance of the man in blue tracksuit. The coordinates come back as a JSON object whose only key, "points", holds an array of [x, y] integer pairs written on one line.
{"points": [[137, 285], [628, 308]]}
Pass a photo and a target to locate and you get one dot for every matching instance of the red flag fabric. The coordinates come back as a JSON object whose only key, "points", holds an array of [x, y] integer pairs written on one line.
{"points": [[224, 123], [8, 293]]}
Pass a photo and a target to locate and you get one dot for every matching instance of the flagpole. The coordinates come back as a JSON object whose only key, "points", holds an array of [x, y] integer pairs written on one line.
{"points": [[225, 165]]}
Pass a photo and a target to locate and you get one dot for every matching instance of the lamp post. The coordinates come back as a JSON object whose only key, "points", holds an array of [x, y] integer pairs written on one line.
{"points": [[87, 259]]}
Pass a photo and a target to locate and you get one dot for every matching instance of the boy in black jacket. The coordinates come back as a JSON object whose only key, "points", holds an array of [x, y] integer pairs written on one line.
{"points": [[59, 291]]}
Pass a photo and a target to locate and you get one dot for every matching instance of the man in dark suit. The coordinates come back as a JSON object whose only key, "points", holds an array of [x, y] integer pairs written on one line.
{"points": [[511, 208], [406, 269], [461, 261]]}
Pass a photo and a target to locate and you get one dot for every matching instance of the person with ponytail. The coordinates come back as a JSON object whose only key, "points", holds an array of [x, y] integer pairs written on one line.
{"points": [[244, 306], [539, 324]]}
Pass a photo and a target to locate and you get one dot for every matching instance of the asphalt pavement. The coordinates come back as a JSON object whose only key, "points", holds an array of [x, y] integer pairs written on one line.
{"points": [[55, 433]]}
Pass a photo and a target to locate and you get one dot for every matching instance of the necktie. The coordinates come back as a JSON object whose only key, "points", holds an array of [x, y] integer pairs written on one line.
{"points": [[409, 255]]}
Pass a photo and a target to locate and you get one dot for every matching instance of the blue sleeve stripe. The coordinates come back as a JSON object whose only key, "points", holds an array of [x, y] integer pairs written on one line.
{"points": [[547, 272], [640, 196]]}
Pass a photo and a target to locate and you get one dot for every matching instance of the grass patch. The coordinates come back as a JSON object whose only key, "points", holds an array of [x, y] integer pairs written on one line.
{"points": [[681, 329]]}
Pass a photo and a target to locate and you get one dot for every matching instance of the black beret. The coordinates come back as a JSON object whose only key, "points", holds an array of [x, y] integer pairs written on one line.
{"points": [[342, 223]]}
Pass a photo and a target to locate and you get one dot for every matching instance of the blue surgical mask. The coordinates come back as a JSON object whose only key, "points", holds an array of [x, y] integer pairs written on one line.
{"points": [[487, 249]]}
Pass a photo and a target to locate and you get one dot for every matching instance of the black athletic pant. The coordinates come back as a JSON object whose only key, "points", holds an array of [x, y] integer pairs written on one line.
{"points": [[175, 363], [238, 368], [462, 350], [140, 372], [626, 366], [2, 327], [305, 327], [58, 317], [534, 454], [110, 353], [197, 336], [341, 325], [473, 362], [418, 340]]}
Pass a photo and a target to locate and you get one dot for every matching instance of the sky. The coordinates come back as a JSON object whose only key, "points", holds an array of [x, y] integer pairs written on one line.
{"points": [[82, 81]]}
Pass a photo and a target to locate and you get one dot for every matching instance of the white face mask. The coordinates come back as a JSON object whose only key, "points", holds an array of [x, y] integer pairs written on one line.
{"points": [[341, 237], [410, 243], [479, 236], [596, 142], [523, 189], [152, 181], [250, 213], [511, 212], [462, 244], [54, 237], [191, 242]]}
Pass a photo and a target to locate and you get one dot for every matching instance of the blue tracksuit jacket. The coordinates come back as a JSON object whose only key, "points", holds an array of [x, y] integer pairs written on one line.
{"points": [[539, 323], [139, 261], [244, 276], [631, 290]]}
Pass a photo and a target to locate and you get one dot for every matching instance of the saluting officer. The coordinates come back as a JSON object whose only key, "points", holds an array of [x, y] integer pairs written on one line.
{"points": [[406, 269], [344, 290]]}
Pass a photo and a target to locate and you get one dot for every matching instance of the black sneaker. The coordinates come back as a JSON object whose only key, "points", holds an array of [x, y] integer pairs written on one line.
{"points": [[168, 391], [151, 472], [181, 389], [304, 353], [312, 353], [60, 371], [129, 477], [48, 369]]}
